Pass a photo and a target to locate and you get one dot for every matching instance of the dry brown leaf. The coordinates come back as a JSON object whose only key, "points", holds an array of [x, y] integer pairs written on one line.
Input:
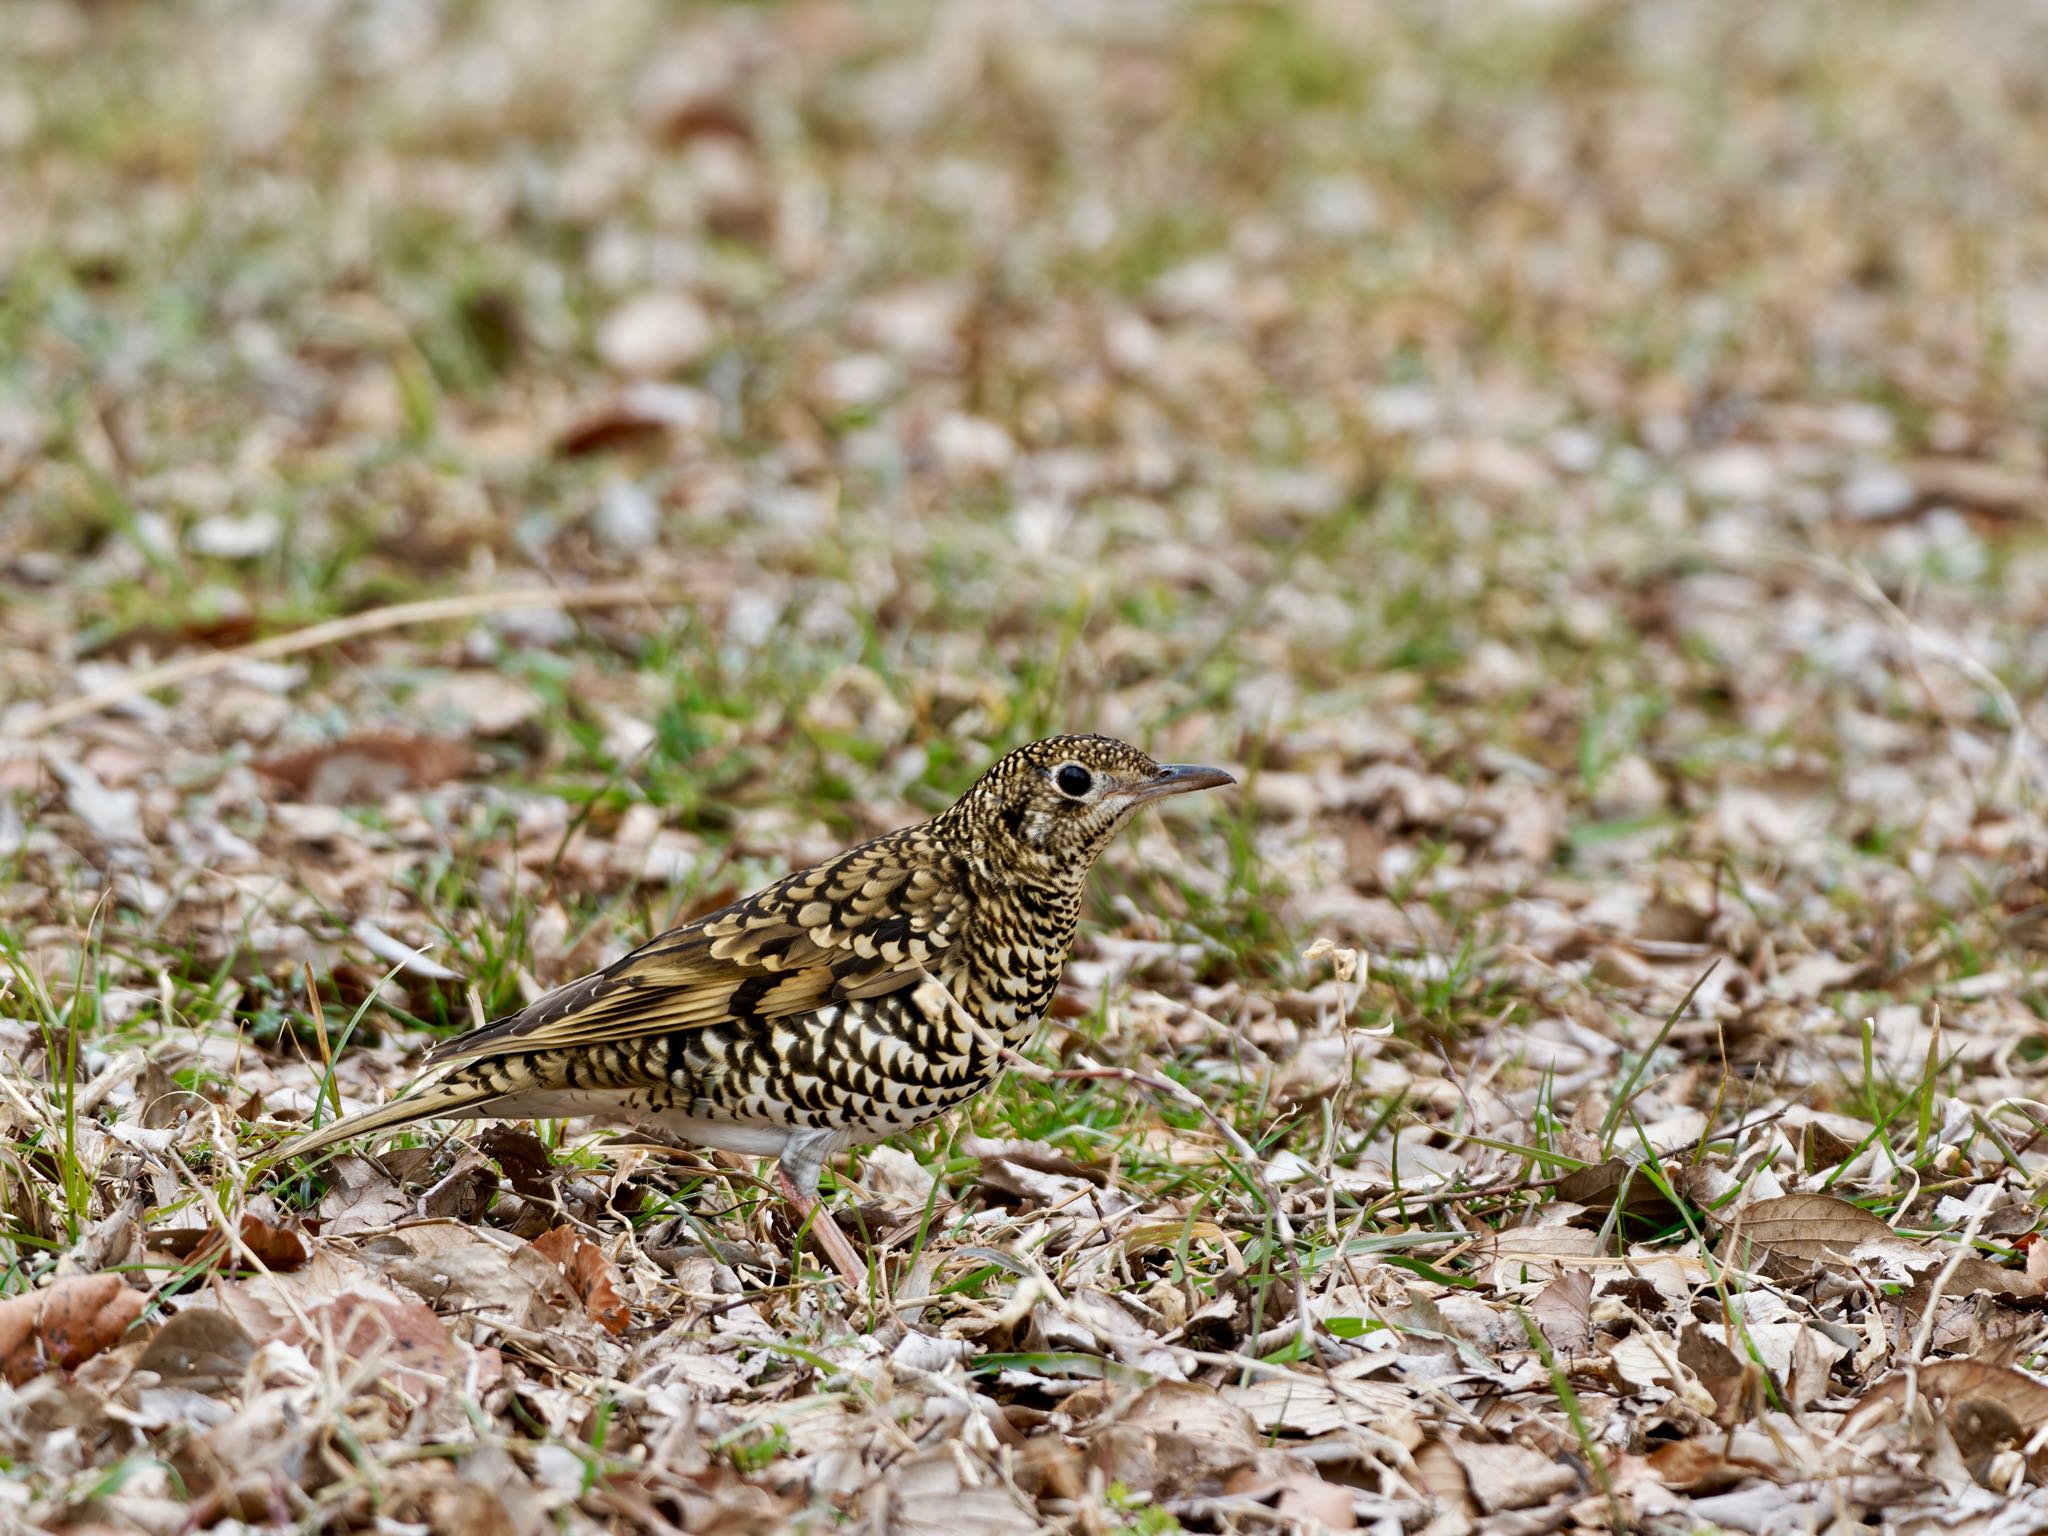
{"points": [[1950, 1383], [639, 416], [1979, 486], [1736, 1384], [1303, 1405], [468, 1509], [1805, 1228], [276, 1248], [1601, 1184], [403, 1339], [1510, 1476], [1706, 1466], [1563, 1309], [202, 1349], [1443, 1480], [1971, 1277], [523, 1158], [1521, 1255], [360, 1197], [365, 769], [1291, 1487], [1174, 1436], [593, 1277], [65, 1324], [942, 1494]]}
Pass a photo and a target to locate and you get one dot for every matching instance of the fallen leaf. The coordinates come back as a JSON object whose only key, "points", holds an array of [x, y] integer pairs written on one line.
{"points": [[365, 769], [1291, 1487], [1737, 1385], [1618, 1178], [1979, 486], [360, 1197], [202, 1349], [278, 1248], [65, 1324], [1950, 1383], [523, 1158], [1522, 1255], [640, 415], [112, 815], [1174, 1436], [404, 1340], [937, 1494], [1510, 1476], [1706, 1466], [592, 1276], [1303, 1405], [479, 701], [458, 1268], [1563, 1309], [1805, 1228], [656, 333]]}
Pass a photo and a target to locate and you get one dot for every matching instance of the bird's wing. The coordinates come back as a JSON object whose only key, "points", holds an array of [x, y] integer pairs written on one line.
{"points": [[866, 922]]}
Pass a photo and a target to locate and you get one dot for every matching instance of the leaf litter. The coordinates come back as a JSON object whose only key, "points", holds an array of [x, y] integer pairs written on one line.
{"points": [[1589, 1077]]}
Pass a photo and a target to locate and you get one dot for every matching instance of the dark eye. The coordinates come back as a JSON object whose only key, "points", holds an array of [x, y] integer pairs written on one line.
{"points": [[1074, 780]]}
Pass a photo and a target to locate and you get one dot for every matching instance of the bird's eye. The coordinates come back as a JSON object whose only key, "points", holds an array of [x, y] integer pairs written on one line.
{"points": [[1074, 780]]}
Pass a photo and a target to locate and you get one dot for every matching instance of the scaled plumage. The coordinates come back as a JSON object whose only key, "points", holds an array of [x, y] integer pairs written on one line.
{"points": [[849, 1001]]}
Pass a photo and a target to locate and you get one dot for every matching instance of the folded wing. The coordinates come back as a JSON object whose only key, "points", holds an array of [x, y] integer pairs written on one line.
{"points": [[867, 922]]}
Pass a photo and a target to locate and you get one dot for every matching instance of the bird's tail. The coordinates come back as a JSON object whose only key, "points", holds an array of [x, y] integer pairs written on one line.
{"points": [[451, 1098]]}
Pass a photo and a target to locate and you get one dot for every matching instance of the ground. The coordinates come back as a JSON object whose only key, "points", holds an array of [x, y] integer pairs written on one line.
{"points": [[1580, 463]]}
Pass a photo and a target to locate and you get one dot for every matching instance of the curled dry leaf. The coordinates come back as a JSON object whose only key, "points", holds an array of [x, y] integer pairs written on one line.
{"points": [[640, 415], [593, 1277], [275, 1248], [1736, 1384], [64, 1325], [523, 1158], [1708, 1466]]}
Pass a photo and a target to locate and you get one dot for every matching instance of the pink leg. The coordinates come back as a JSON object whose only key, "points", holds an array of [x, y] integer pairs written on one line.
{"points": [[852, 1268]]}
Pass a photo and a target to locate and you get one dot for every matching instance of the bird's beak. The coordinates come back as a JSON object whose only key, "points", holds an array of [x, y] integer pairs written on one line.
{"points": [[1178, 779]]}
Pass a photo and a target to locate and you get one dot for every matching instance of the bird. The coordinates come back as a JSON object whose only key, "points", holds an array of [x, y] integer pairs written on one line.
{"points": [[848, 1002]]}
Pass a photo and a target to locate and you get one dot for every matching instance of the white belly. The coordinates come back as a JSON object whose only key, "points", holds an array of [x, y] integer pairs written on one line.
{"points": [[754, 1140]]}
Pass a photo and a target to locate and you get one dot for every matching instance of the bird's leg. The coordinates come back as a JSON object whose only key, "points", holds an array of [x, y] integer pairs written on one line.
{"points": [[833, 1241], [796, 1175]]}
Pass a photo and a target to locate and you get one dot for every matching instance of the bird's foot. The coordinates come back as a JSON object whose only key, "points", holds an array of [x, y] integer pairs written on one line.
{"points": [[833, 1242]]}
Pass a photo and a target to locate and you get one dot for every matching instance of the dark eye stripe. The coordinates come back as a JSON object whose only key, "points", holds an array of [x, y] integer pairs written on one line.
{"points": [[1074, 780]]}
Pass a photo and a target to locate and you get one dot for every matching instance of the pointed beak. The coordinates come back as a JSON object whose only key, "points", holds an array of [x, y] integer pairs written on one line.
{"points": [[1178, 779]]}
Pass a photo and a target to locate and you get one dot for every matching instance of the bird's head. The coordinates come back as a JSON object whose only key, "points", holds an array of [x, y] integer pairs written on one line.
{"points": [[1056, 803]]}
